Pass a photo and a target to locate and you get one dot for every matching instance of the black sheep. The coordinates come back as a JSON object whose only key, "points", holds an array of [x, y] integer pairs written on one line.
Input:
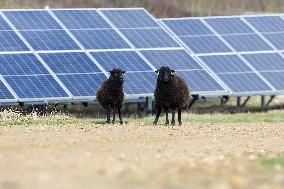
{"points": [[171, 93], [110, 95]]}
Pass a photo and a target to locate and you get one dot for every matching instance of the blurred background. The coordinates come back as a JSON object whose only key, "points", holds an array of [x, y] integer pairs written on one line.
{"points": [[163, 8]]}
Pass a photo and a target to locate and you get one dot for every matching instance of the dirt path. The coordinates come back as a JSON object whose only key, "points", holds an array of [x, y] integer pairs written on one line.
{"points": [[136, 156]]}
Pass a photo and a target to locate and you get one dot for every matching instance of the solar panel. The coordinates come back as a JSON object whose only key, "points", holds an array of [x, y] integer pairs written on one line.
{"points": [[82, 84], [9, 41], [140, 82], [81, 19], [35, 86], [69, 62], [266, 23], [100, 39], [4, 25], [50, 40], [176, 59], [28, 77], [245, 82], [275, 78], [188, 27], [205, 44], [130, 18], [229, 25], [276, 39], [155, 44], [76, 70], [265, 61], [248, 42], [200, 80], [225, 63], [32, 20], [239, 76], [4, 92], [149, 38], [20, 64], [125, 60]]}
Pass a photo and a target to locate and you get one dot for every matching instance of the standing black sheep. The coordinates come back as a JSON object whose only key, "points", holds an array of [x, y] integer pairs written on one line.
{"points": [[110, 95], [171, 93]]}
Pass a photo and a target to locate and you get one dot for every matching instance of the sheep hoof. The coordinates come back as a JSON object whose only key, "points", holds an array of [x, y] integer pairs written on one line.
{"points": [[167, 123], [108, 122], [155, 122], [180, 123], [113, 122], [173, 123], [121, 122]]}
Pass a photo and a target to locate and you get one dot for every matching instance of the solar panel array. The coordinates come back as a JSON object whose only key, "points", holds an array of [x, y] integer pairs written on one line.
{"points": [[65, 54], [244, 51]]}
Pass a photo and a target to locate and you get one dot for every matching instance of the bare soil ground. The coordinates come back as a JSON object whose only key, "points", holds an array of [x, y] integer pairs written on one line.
{"points": [[140, 156]]}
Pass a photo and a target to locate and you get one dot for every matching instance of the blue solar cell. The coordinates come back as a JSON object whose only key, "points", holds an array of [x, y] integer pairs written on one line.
{"points": [[32, 20], [186, 27], [20, 64], [140, 82], [267, 23], [9, 41], [4, 25], [37, 86], [50, 40], [276, 39], [100, 39], [4, 92], [225, 63], [125, 60], [248, 42], [83, 84], [229, 25], [205, 44], [133, 18], [275, 78], [175, 59], [244, 82], [70, 62], [81, 19], [200, 80], [266, 61], [149, 38]]}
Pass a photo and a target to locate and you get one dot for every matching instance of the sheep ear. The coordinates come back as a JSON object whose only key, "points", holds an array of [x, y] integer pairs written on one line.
{"points": [[157, 72], [110, 72], [123, 72], [172, 71]]}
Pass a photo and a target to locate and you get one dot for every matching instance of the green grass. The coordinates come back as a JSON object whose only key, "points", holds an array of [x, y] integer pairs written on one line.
{"points": [[10, 118], [272, 161], [275, 116]]}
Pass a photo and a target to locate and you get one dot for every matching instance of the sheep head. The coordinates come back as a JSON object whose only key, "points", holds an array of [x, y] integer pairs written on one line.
{"points": [[116, 75], [165, 74]]}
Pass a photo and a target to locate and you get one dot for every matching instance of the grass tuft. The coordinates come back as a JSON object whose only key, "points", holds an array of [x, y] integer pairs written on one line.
{"points": [[273, 161], [11, 118]]}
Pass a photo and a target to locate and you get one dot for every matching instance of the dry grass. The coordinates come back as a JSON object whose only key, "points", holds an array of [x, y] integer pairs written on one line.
{"points": [[162, 8]]}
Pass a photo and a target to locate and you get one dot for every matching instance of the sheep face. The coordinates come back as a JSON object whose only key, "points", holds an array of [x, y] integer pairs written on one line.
{"points": [[116, 75], [165, 74]]}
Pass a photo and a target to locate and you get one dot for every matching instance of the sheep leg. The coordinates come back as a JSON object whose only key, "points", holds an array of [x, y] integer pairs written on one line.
{"points": [[108, 115], [157, 116], [179, 116], [167, 116], [173, 117], [113, 115], [119, 115]]}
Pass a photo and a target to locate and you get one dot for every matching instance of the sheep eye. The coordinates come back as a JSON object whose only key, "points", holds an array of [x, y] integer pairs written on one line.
{"points": [[158, 72]]}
